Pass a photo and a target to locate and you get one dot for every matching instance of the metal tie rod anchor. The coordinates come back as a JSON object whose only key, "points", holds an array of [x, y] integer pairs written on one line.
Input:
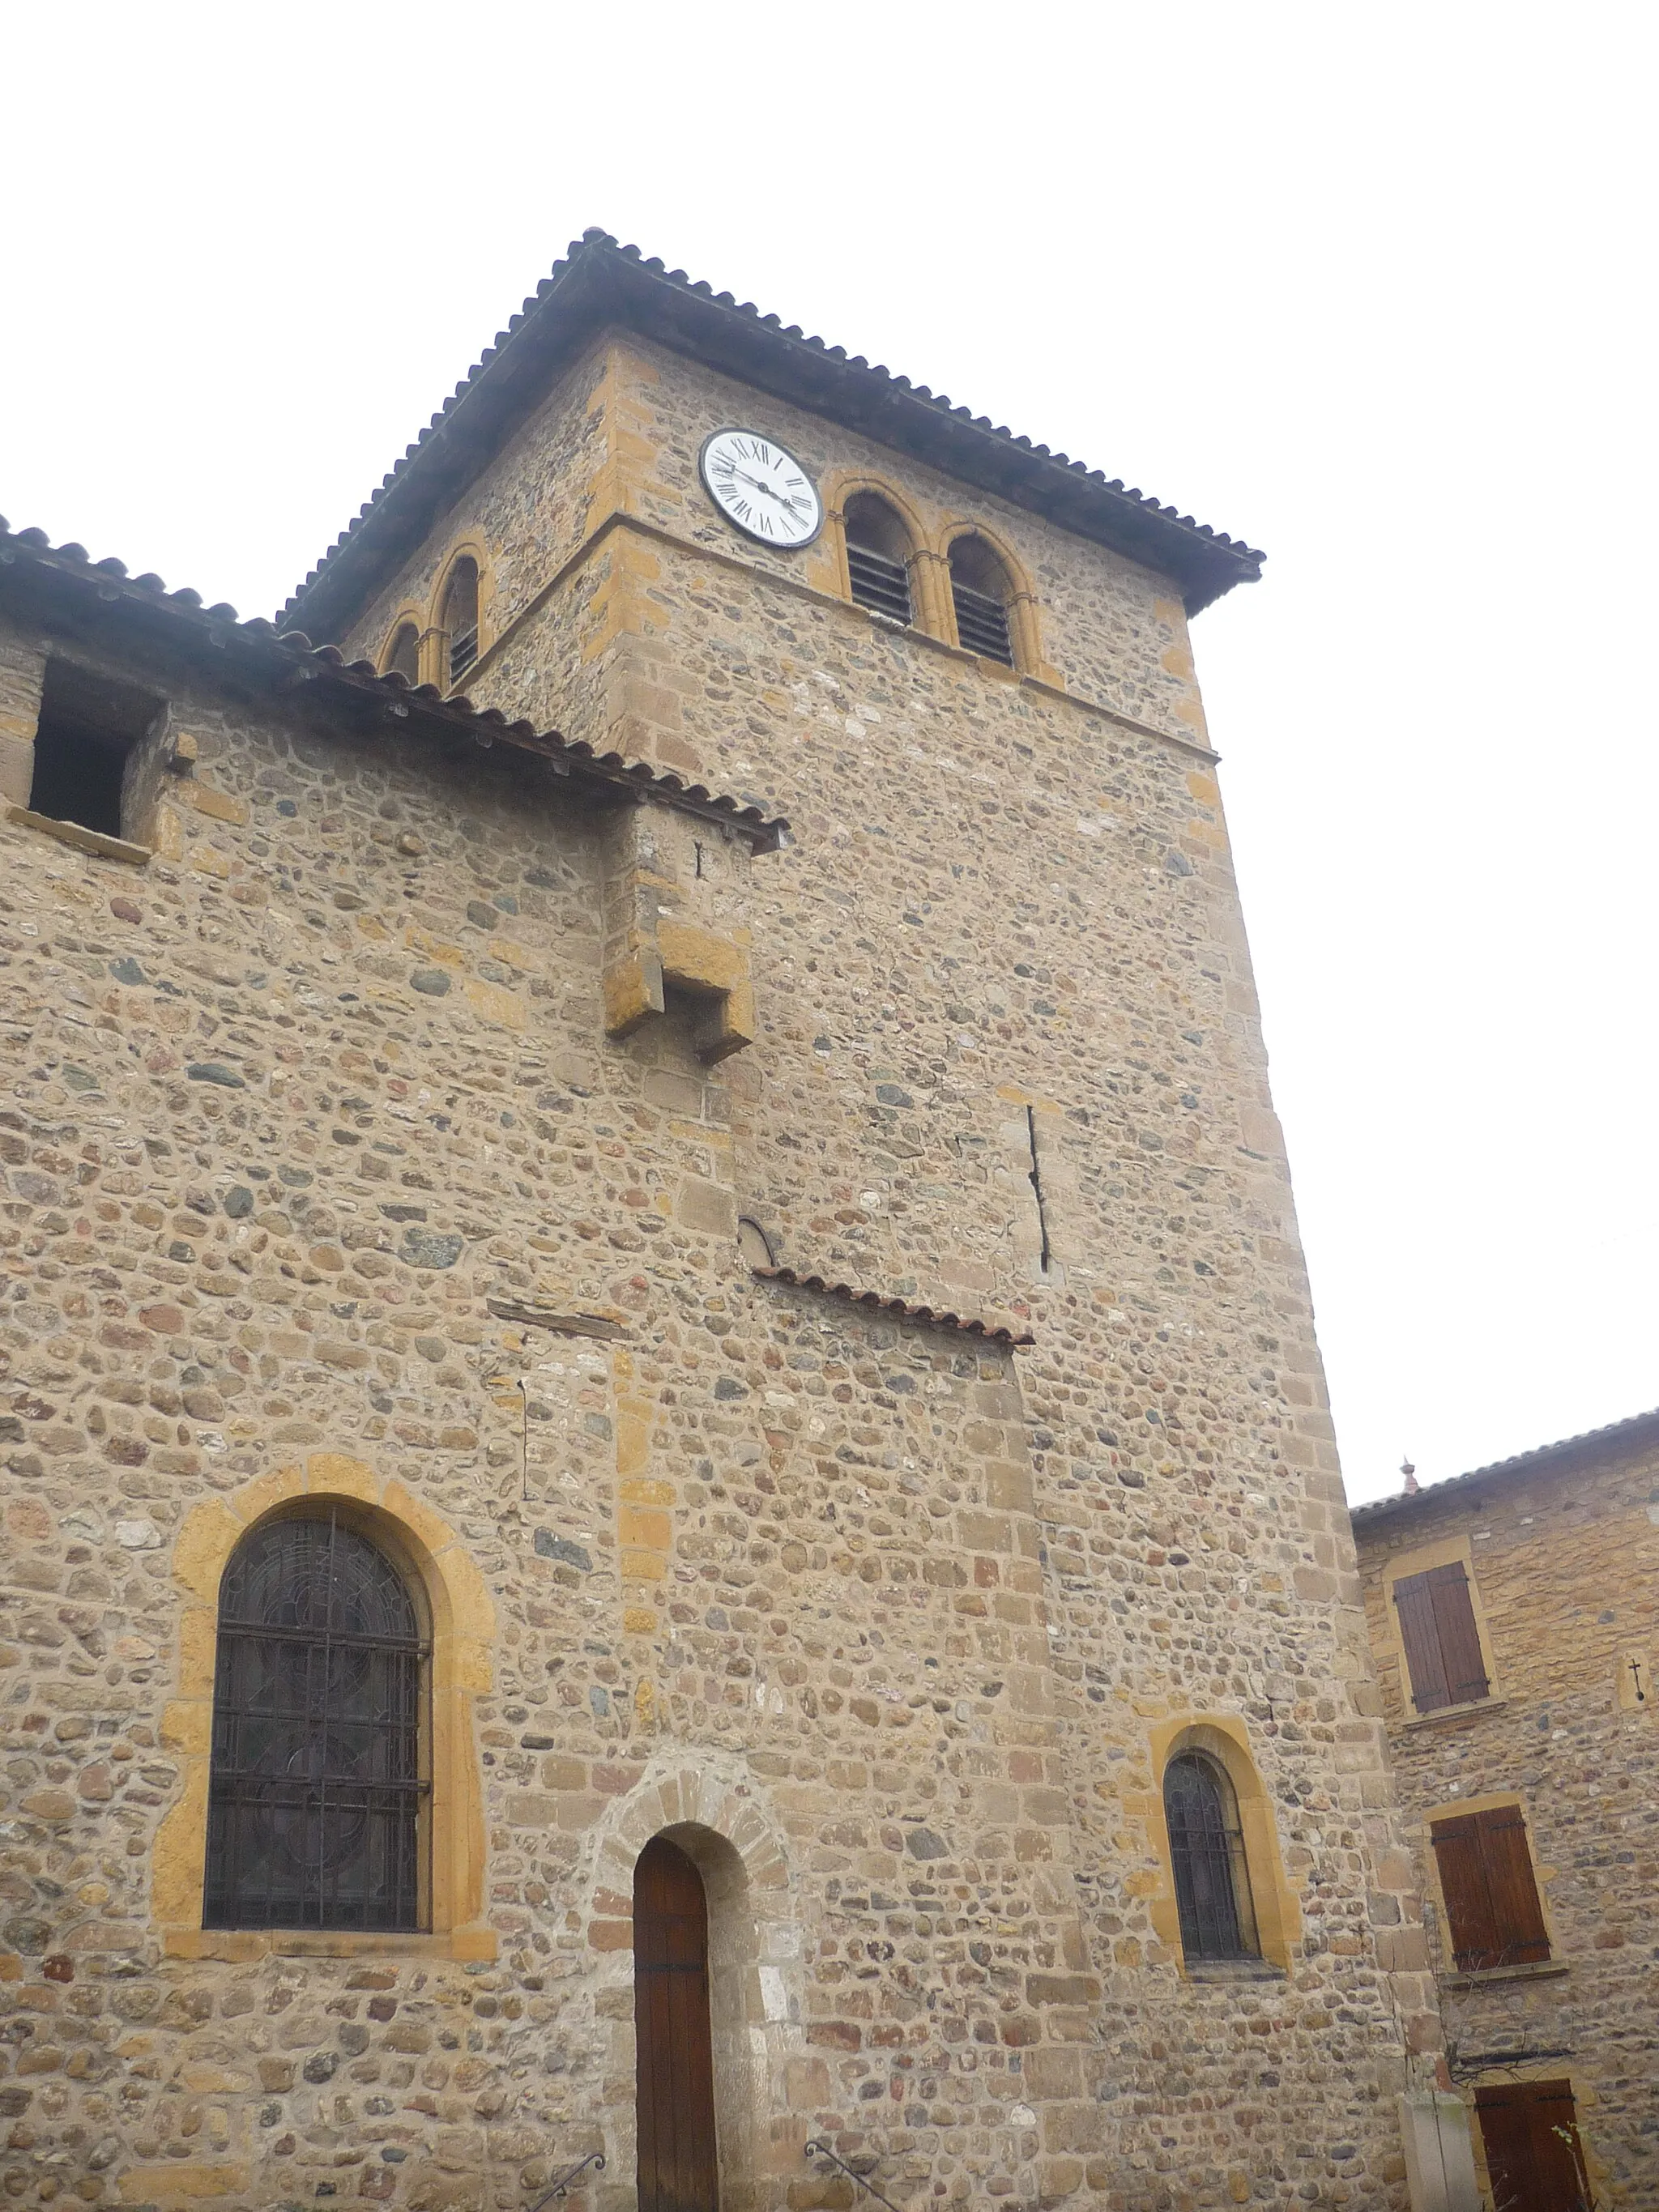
{"points": [[595, 2159], [852, 2173]]}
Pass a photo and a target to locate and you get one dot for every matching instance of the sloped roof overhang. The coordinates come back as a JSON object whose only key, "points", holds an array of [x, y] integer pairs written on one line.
{"points": [[600, 285], [1568, 1455], [137, 616]]}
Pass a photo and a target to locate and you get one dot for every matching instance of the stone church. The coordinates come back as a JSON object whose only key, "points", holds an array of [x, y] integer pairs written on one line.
{"points": [[671, 1525]]}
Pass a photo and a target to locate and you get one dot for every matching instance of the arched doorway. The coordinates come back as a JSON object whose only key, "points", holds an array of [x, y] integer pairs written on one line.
{"points": [[675, 2078]]}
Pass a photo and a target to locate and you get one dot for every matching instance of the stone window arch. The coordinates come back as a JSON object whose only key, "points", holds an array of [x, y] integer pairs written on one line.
{"points": [[985, 599], [453, 1620], [1210, 1798], [317, 1794], [879, 553], [402, 653], [1206, 1850], [458, 606]]}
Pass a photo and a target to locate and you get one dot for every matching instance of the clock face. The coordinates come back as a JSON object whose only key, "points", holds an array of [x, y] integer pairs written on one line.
{"points": [[760, 485]]}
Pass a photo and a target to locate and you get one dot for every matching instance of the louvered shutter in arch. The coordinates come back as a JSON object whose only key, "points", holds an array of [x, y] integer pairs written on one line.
{"points": [[404, 659], [1415, 1602], [877, 563], [980, 592], [1463, 1869], [1460, 1639], [461, 618]]}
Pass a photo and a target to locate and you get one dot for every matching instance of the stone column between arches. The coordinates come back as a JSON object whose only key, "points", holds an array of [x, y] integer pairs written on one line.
{"points": [[718, 1817]]}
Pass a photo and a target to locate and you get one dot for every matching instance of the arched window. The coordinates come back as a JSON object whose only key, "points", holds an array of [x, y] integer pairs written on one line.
{"points": [[1206, 1847], [980, 591], [877, 550], [460, 618], [316, 1786], [403, 655]]}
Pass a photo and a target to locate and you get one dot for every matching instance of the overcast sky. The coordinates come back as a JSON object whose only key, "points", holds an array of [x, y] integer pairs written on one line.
{"points": [[1364, 286]]}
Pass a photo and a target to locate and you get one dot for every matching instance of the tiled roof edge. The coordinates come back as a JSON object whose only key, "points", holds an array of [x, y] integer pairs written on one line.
{"points": [[1566, 1449], [291, 653], [900, 1309], [1225, 560]]}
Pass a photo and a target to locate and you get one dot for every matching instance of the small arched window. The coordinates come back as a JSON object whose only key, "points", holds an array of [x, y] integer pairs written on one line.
{"points": [[316, 1786], [403, 655], [877, 550], [1206, 1848], [460, 618], [980, 591]]}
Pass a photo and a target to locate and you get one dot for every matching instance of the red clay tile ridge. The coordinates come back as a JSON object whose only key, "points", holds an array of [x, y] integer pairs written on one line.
{"points": [[900, 1309]]}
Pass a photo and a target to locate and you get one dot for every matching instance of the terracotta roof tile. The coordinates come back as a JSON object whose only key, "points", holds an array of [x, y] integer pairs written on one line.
{"points": [[901, 1309], [289, 658], [598, 280]]}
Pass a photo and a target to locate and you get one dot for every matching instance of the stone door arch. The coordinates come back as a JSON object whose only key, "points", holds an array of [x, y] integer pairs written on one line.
{"points": [[715, 1815]]}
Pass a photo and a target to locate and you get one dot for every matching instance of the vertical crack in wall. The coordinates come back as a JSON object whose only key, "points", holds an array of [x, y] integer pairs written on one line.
{"points": [[1035, 1181]]}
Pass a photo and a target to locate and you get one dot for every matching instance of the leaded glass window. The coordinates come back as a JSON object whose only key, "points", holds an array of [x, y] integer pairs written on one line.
{"points": [[1206, 1846], [318, 1776]]}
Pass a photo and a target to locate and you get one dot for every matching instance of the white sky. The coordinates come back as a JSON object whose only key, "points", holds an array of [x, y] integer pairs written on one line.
{"points": [[1364, 286]]}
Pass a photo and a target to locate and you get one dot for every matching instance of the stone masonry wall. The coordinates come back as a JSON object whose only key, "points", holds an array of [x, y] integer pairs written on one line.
{"points": [[1566, 1562], [889, 1623], [922, 1034]]}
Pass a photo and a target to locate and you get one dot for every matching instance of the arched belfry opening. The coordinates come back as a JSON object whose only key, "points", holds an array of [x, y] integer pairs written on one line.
{"points": [[877, 558], [678, 2160], [981, 592]]}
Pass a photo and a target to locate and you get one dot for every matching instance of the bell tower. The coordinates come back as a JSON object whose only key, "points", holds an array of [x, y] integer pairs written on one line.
{"points": [[978, 1505]]}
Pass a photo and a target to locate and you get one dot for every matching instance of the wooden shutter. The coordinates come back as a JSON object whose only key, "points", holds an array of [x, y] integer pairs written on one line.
{"points": [[1517, 1916], [1534, 2159], [1460, 1639], [1463, 1885], [1492, 1910], [1421, 1637], [1443, 1645]]}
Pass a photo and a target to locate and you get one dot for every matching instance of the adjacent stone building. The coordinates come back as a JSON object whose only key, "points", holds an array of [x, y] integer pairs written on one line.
{"points": [[1515, 1619], [668, 1498]]}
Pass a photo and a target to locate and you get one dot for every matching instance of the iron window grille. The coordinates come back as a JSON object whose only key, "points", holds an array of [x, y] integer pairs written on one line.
{"points": [[316, 1786], [1206, 1848], [982, 623], [879, 583]]}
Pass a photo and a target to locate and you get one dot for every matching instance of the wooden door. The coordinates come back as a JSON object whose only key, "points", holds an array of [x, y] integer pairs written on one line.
{"points": [[1530, 2131], [676, 2077]]}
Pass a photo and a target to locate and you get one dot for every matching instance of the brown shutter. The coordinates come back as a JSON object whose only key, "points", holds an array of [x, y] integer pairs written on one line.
{"points": [[1462, 1864], [1415, 1600], [1530, 2133], [1492, 1910], [1517, 1916], [1460, 1640]]}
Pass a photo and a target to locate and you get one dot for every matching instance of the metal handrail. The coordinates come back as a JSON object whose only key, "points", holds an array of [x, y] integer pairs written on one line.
{"points": [[595, 2158], [852, 2173]]}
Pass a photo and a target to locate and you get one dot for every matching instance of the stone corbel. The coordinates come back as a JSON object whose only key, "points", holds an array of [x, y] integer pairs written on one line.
{"points": [[656, 942]]}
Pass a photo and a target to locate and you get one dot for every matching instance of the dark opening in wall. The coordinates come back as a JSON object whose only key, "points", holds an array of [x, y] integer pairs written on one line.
{"points": [[89, 725], [877, 554]]}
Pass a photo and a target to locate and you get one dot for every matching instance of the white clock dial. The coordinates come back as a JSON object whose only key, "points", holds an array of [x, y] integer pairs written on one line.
{"points": [[760, 486]]}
